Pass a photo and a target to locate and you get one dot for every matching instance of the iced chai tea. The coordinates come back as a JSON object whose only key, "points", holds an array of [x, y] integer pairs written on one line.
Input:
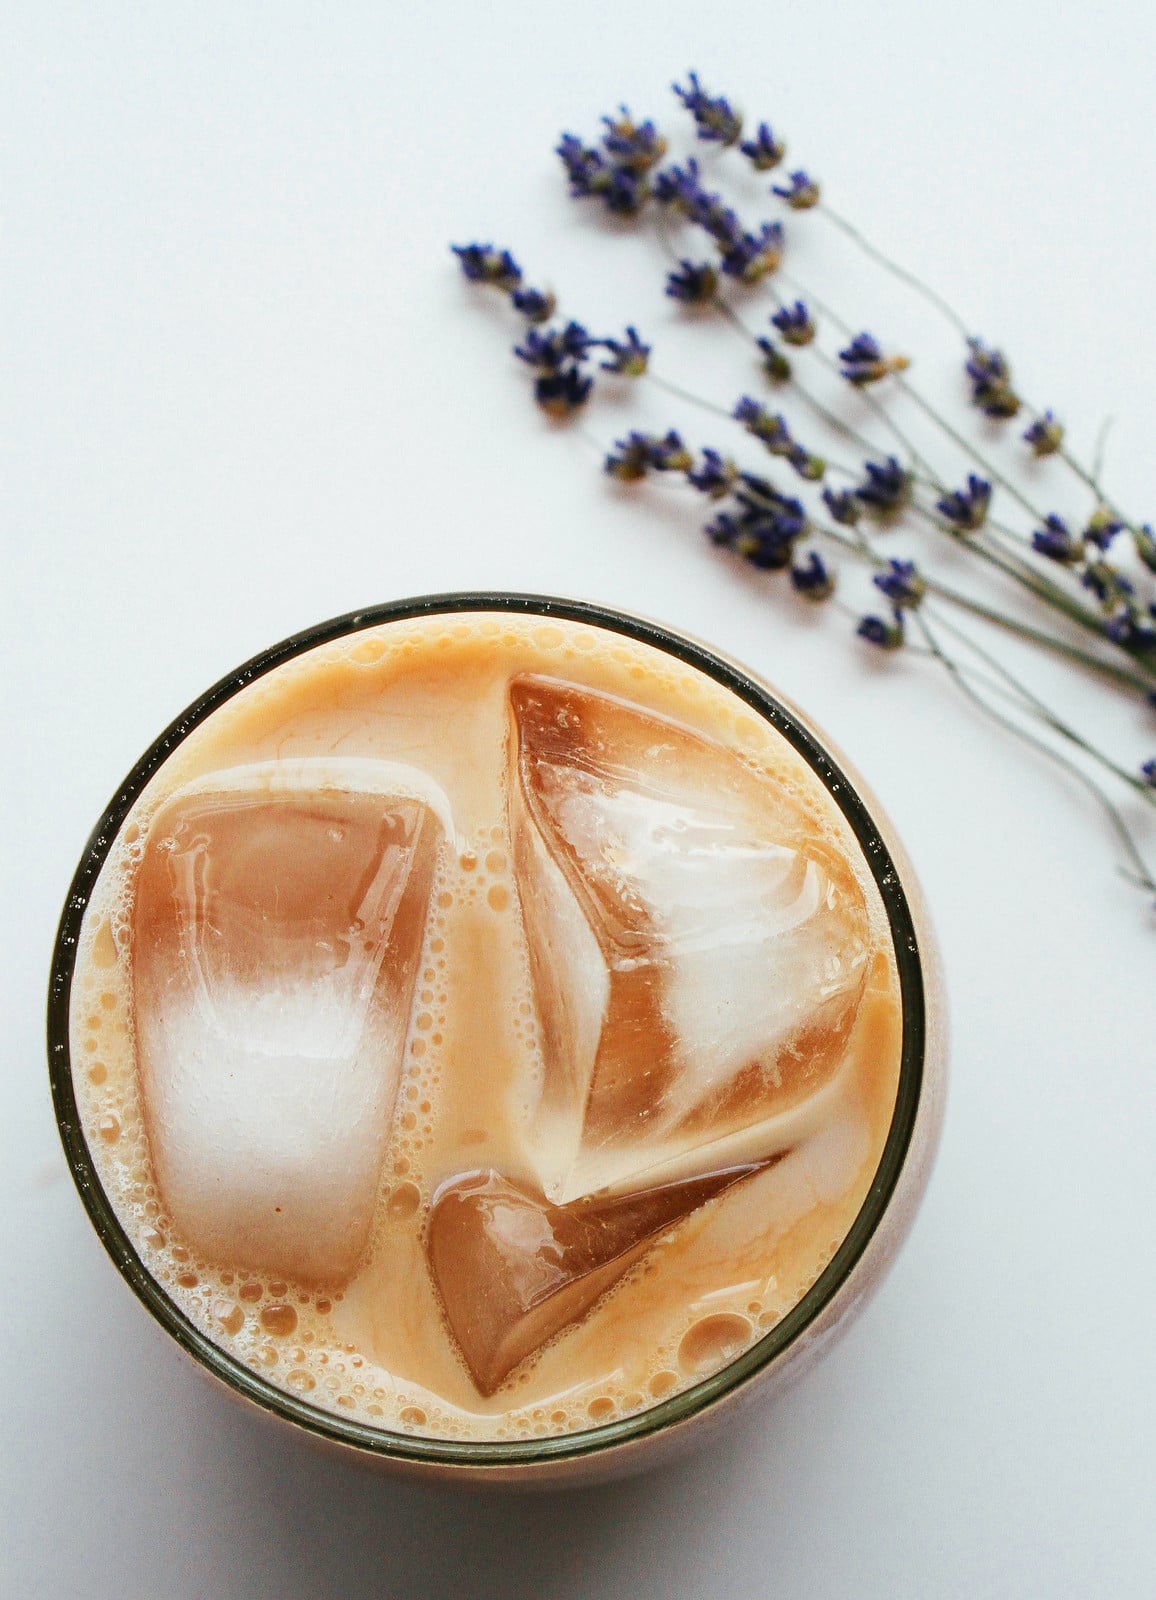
{"points": [[485, 1026]]}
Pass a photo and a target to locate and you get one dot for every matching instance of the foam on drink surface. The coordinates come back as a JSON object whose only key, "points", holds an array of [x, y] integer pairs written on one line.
{"points": [[480, 1144]]}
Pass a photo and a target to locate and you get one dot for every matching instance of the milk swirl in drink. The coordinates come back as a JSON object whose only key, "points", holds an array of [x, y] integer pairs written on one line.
{"points": [[485, 1026]]}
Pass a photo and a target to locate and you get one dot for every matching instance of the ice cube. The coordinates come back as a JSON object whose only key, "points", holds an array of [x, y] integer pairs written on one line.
{"points": [[278, 921], [513, 1270], [698, 947]]}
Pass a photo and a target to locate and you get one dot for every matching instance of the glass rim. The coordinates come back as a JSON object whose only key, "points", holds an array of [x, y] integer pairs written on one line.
{"points": [[687, 1403]]}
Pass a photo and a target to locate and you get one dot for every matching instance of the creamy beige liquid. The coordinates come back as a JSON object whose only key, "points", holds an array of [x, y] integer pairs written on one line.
{"points": [[372, 1340]]}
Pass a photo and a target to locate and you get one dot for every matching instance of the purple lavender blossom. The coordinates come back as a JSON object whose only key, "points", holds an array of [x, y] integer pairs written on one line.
{"points": [[548, 351], [794, 323], [764, 151], [775, 364], [966, 508], [882, 634], [990, 377], [1045, 435], [800, 193], [715, 118], [753, 255], [563, 391], [682, 189], [634, 145], [482, 263], [864, 362], [714, 476], [773, 432], [844, 506], [628, 356], [1056, 541], [534, 304], [901, 583], [693, 284], [1103, 526], [886, 487], [640, 453], [812, 578]]}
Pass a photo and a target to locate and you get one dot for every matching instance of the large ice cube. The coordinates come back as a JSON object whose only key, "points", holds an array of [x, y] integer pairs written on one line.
{"points": [[513, 1271], [698, 948], [278, 921]]}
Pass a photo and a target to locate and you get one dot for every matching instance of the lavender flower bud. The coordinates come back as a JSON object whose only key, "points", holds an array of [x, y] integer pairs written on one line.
{"points": [[863, 361], [902, 584], [794, 323], [801, 193], [1045, 435], [812, 578], [966, 509], [990, 377], [884, 635], [714, 117], [763, 151]]}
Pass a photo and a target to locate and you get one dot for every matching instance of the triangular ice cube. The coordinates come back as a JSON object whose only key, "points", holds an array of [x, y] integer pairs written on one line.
{"points": [[513, 1271], [278, 920], [698, 946]]}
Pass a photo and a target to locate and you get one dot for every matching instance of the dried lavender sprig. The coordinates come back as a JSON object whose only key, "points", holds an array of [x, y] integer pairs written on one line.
{"points": [[1051, 719], [1140, 874], [987, 368], [862, 550], [1022, 573], [561, 391], [1045, 434]]}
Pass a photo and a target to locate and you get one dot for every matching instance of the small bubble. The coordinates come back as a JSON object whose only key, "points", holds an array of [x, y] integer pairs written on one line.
{"points": [[179, 1253], [109, 1128], [98, 1072], [404, 1201], [267, 1356], [279, 1319], [712, 1342], [498, 897], [445, 899], [324, 1306], [468, 860], [663, 1383], [414, 1415], [278, 1289], [301, 1380], [251, 1291], [188, 1280], [598, 1410]]}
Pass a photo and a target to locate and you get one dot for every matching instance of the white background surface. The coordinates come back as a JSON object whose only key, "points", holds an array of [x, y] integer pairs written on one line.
{"points": [[245, 391]]}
